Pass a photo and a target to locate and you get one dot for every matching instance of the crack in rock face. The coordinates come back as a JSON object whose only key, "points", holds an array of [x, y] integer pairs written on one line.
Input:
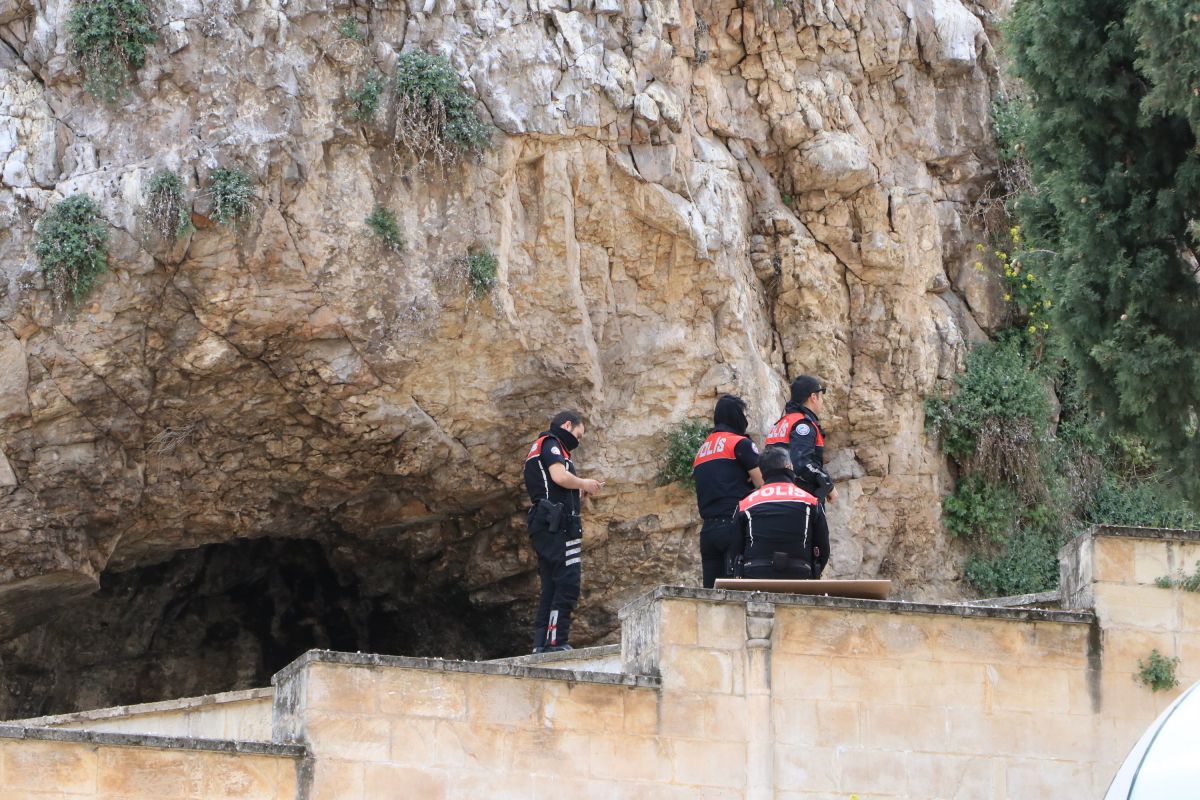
{"points": [[684, 199]]}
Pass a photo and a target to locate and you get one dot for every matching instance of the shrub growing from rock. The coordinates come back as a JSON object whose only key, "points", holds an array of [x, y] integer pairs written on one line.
{"points": [[165, 211], [481, 271], [108, 41], [232, 195], [435, 115], [364, 101], [348, 27], [71, 245], [382, 221], [1157, 672], [683, 440]]}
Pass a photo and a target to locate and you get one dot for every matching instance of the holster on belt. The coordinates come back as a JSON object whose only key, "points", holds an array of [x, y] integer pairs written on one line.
{"points": [[547, 517]]}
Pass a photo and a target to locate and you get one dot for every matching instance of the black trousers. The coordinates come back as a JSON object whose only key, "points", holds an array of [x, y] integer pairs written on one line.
{"points": [[720, 543], [560, 572]]}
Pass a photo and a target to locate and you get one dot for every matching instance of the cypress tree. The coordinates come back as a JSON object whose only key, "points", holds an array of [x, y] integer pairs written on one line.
{"points": [[1111, 139]]}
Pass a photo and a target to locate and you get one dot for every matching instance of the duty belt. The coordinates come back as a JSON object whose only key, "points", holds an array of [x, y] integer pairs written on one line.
{"points": [[798, 564]]}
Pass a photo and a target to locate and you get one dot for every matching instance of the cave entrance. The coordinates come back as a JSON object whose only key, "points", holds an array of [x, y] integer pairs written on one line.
{"points": [[228, 616]]}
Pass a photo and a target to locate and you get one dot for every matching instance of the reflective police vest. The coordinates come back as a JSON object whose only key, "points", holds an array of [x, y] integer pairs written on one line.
{"points": [[778, 516], [721, 479], [780, 434], [719, 444]]}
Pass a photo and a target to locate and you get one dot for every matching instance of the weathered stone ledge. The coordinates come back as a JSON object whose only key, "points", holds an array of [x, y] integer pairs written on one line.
{"points": [[477, 667], [578, 654], [1133, 532], [9, 731], [1041, 599], [889, 606], [159, 707]]}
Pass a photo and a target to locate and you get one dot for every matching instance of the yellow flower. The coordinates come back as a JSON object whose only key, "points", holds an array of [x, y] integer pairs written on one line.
{"points": [[1029, 277], [1007, 297], [1033, 328], [1045, 326], [979, 266], [979, 246], [1046, 303]]}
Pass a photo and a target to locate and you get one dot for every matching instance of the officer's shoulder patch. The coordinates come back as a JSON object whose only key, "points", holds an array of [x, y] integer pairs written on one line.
{"points": [[803, 429], [556, 451], [754, 448]]}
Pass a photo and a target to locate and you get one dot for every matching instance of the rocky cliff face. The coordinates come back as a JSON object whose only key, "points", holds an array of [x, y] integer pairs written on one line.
{"points": [[685, 198]]}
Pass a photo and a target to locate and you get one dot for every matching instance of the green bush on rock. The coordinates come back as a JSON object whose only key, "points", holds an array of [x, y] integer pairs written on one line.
{"points": [[435, 115], [165, 211], [71, 245], [232, 195], [108, 41], [364, 101], [683, 440], [382, 221], [481, 268]]}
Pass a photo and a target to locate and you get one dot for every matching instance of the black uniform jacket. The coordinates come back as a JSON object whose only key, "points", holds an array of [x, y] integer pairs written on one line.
{"points": [[721, 470], [546, 451], [800, 432], [780, 517]]}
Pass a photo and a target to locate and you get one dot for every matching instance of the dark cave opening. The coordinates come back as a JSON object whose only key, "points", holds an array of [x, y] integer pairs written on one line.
{"points": [[228, 616]]}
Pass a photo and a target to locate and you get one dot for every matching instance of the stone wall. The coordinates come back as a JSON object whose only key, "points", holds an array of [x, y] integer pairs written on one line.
{"points": [[48, 765], [240, 716], [727, 695]]}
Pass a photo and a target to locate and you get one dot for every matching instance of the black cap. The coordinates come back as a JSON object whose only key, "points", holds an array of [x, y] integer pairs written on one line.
{"points": [[803, 386]]}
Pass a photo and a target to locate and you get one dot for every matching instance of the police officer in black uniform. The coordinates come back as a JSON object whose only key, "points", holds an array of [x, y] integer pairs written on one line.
{"points": [[555, 526], [725, 470], [799, 432], [783, 526]]}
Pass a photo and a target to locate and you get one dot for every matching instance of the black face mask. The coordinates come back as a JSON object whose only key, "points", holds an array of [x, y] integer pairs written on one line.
{"points": [[565, 437]]}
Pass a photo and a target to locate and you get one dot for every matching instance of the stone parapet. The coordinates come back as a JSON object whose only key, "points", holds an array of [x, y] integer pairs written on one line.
{"points": [[45, 763], [242, 715], [721, 695]]}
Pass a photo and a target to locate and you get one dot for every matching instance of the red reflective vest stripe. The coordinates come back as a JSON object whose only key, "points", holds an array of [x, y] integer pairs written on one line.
{"points": [[777, 493], [536, 450], [781, 431], [719, 444]]}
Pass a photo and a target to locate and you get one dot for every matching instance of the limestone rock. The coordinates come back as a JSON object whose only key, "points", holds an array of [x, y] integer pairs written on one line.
{"points": [[831, 161], [682, 200]]}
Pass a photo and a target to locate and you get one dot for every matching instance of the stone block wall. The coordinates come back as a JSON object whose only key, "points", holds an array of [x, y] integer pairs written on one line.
{"points": [[239, 716], [1136, 617], [877, 699], [723, 695], [381, 727], [41, 765]]}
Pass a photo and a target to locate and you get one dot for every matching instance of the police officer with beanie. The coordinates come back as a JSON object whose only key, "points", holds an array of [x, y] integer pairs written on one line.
{"points": [[799, 432], [725, 470], [555, 527], [783, 527]]}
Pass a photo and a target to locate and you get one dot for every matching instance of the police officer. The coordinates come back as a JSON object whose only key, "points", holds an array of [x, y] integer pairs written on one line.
{"points": [[725, 470], [783, 527], [555, 527], [799, 432]]}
